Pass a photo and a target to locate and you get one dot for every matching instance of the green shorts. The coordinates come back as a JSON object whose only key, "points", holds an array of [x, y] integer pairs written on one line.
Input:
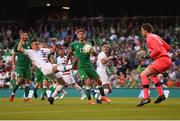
{"points": [[86, 73], [24, 72], [39, 77]]}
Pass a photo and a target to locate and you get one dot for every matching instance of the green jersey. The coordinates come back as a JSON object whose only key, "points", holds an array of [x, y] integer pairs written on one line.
{"points": [[83, 58], [22, 59]]}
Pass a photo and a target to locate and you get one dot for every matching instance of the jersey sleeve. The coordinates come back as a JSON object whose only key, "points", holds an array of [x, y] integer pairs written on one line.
{"points": [[101, 56], [166, 46], [27, 51], [46, 50]]}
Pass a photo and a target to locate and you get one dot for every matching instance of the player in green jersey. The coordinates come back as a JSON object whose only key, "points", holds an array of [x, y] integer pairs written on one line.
{"points": [[86, 69], [22, 66]]}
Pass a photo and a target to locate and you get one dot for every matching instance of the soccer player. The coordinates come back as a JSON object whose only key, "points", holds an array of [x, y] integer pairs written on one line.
{"points": [[67, 75], [85, 68], [102, 60], [48, 69], [41, 80], [158, 51], [22, 67]]}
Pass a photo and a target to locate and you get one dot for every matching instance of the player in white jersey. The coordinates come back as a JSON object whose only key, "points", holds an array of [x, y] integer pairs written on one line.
{"points": [[41, 80], [53, 70], [67, 75], [102, 60]]}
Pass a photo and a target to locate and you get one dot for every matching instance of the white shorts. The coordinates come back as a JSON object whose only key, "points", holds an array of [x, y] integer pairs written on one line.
{"points": [[47, 68], [68, 78], [103, 76]]}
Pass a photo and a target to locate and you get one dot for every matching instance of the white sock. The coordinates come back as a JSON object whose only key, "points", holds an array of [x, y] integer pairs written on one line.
{"points": [[77, 87], [97, 91], [63, 91], [57, 90], [98, 96], [106, 91]]}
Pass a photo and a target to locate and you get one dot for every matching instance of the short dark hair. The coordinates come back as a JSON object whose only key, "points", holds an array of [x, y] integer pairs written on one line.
{"points": [[105, 43], [33, 40], [42, 41], [148, 27], [80, 30]]}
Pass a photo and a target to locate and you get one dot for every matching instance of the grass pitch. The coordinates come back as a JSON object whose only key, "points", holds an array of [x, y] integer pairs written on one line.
{"points": [[75, 109]]}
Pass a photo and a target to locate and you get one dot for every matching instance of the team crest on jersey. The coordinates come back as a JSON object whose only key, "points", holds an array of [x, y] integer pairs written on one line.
{"points": [[82, 76]]}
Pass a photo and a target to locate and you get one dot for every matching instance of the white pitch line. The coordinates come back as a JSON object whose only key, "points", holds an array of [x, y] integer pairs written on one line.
{"points": [[71, 111]]}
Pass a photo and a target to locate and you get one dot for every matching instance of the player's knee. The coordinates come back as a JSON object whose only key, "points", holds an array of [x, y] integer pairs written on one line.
{"points": [[19, 81], [88, 82], [142, 75], [144, 79], [98, 81], [61, 81], [45, 82], [54, 69], [27, 82]]}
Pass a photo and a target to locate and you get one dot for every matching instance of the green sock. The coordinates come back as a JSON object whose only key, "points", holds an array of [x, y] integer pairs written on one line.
{"points": [[43, 92], [15, 88], [35, 90], [26, 91], [88, 94], [52, 89], [101, 89]]}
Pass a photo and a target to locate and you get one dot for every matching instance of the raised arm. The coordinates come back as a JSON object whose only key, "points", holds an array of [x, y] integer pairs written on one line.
{"points": [[53, 49], [22, 40], [106, 59], [14, 60], [69, 55], [20, 48]]}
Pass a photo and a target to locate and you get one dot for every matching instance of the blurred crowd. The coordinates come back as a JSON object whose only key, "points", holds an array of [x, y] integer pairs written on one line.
{"points": [[123, 35]]}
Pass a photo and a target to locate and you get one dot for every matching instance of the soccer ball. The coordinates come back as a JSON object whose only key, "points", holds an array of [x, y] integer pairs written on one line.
{"points": [[87, 48]]}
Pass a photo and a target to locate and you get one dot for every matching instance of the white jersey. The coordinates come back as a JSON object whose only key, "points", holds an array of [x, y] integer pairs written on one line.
{"points": [[66, 75], [43, 52], [39, 58], [62, 61], [100, 65], [101, 68]]}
